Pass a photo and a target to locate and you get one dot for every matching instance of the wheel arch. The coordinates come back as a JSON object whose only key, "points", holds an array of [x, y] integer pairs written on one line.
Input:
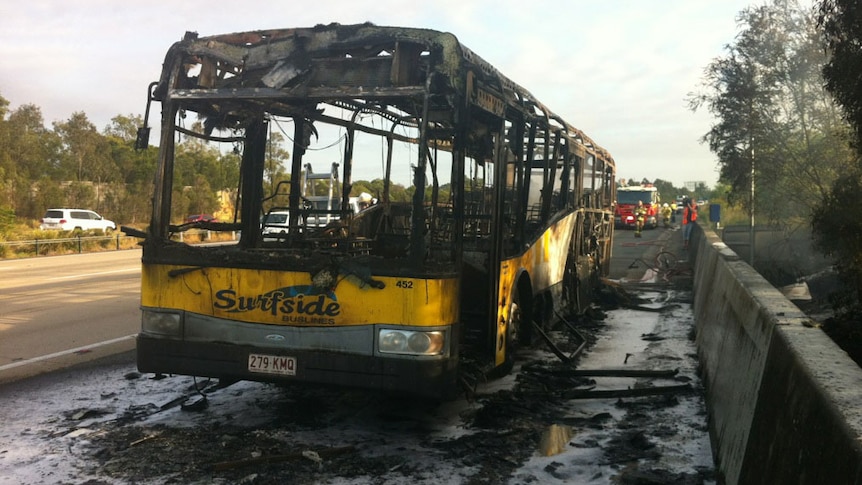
{"points": [[516, 306], [524, 287]]}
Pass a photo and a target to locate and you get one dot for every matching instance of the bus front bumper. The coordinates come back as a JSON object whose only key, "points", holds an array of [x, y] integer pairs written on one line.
{"points": [[433, 378]]}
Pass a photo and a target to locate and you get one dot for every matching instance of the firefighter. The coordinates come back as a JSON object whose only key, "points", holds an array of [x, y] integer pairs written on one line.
{"points": [[640, 218], [666, 213]]}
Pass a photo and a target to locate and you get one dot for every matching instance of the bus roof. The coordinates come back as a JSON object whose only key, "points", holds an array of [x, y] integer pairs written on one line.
{"points": [[276, 67]]}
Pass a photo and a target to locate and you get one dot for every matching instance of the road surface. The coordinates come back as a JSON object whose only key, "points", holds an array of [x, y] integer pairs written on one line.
{"points": [[63, 310], [632, 256]]}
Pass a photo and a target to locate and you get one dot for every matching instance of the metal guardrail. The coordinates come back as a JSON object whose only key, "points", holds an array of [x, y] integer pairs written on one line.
{"points": [[78, 243], [82, 243]]}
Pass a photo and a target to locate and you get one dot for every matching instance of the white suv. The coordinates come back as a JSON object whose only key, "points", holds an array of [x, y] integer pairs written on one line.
{"points": [[71, 219]]}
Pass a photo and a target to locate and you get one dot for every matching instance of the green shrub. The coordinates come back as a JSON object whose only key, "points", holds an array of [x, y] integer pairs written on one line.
{"points": [[837, 226]]}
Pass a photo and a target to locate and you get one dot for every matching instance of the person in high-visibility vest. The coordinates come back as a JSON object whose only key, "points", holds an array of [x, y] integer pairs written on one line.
{"points": [[640, 217], [689, 215]]}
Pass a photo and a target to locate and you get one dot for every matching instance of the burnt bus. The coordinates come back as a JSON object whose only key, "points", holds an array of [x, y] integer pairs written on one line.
{"points": [[493, 215]]}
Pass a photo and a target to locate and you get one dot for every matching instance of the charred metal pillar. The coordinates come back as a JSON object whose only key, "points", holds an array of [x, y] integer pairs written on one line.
{"points": [[417, 229], [300, 142], [164, 174], [253, 160]]}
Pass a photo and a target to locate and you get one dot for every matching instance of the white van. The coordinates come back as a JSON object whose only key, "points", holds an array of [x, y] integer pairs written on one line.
{"points": [[72, 219], [321, 210], [275, 223]]}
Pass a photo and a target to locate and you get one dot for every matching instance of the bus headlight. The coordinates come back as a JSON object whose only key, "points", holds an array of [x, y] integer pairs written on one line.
{"points": [[391, 341], [161, 323]]}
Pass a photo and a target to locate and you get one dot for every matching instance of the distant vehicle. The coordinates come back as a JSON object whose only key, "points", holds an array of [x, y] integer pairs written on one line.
{"points": [[200, 218], [679, 203], [627, 199], [317, 213], [75, 219], [323, 210], [275, 223]]}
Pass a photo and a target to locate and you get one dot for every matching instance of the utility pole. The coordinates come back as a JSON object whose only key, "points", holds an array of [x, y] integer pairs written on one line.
{"points": [[751, 237]]}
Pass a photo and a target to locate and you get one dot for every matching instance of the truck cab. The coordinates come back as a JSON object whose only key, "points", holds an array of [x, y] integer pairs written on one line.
{"points": [[627, 199]]}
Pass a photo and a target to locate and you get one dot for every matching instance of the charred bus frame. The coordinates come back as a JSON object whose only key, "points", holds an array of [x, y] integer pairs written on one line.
{"points": [[509, 223]]}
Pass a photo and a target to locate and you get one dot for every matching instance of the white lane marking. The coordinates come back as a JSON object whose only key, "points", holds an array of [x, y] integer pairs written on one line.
{"points": [[87, 275], [66, 352]]}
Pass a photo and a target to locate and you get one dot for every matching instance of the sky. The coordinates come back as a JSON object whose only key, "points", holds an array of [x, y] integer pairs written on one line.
{"points": [[619, 70]]}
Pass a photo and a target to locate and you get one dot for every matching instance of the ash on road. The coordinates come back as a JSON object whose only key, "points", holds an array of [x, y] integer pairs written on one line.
{"points": [[108, 424]]}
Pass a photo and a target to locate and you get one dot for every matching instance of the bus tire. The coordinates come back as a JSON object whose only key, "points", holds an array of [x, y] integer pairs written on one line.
{"points": [[517, 330]]}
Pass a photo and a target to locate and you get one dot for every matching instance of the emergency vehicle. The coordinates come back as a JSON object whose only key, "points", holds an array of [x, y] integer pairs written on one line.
{"points": [[627, 199]]}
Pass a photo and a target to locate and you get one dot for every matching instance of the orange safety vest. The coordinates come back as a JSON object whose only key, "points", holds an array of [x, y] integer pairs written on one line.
{"points": [[689, 215]]}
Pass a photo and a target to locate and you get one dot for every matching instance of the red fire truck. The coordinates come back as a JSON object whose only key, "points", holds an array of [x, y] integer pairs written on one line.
{"points": [[627, 199]]}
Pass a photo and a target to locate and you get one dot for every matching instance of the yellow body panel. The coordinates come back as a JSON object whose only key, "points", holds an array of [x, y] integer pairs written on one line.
{"points": [[288, 298], [544, 261]]}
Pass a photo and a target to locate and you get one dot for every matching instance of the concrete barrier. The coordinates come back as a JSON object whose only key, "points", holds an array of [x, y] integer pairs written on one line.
{"points": [[784, 401]]}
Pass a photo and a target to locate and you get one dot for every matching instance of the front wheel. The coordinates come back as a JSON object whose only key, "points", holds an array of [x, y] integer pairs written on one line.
{"points": [[517, 334]]}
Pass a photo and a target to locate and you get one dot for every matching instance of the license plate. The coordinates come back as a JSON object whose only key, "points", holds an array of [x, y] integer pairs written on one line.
{"points": [[272, 364]]}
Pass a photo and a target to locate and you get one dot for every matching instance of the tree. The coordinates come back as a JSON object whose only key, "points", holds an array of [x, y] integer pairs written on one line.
{"points": [[775, 121], [128, 198], [198, 199], [124, 127], [28, 153], [6, 192], [276, 161], [201, 171], [85, 161], [33, 149], [666, 190], [81, 194], [84, 155], [841, 23], [837, 228], [75, 165], [835, 223]]}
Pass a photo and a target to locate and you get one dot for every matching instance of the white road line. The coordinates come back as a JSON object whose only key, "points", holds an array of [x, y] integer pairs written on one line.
{"points": [[87, 275], [65, 352]]}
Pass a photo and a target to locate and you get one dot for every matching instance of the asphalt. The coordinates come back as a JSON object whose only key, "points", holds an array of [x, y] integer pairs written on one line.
{"points": [[655, 257]]}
